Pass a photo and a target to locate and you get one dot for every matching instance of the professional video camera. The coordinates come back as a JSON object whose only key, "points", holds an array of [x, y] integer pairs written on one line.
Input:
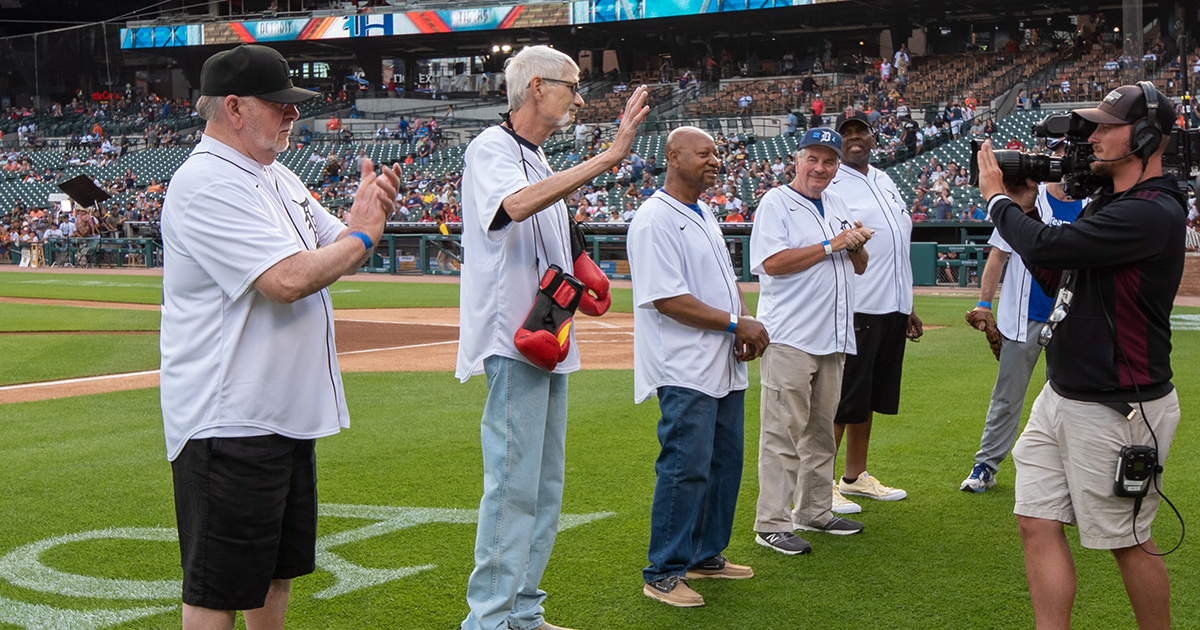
{"points": [[1073, 169]]}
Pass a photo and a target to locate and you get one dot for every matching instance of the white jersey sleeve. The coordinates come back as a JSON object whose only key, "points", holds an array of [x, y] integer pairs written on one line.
{"points": [[770, 233], [497, 173]]}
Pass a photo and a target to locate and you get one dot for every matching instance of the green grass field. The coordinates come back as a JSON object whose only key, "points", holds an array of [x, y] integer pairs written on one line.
{"points": [[940, 559]]}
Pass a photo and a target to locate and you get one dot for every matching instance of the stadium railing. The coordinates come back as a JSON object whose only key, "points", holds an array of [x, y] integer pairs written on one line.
{"points": [[102, 252]]}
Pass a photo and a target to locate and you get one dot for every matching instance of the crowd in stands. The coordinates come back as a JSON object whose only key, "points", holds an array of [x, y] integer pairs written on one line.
{"points": [[99, 132]]}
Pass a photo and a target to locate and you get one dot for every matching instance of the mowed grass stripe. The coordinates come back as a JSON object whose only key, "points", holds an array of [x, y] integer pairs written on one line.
{"points": [[38, 317], [148, 290], [36, 358], [67, 286]]}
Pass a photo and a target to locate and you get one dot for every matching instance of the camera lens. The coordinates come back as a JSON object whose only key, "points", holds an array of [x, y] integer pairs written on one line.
{"points": [[1017, 166]]}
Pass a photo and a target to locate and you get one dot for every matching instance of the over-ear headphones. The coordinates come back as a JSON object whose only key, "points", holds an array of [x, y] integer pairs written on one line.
{"points": [[1146, 135]]}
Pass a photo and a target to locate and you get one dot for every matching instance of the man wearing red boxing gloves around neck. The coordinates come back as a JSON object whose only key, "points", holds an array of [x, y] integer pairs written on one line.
{"points": [[520, 284]]}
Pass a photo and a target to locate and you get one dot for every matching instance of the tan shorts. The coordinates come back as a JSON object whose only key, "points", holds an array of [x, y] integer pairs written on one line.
{"points": [[1066, 461]]}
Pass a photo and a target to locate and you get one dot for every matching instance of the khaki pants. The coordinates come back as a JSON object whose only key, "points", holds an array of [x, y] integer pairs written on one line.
{"points": [[796, 448]]}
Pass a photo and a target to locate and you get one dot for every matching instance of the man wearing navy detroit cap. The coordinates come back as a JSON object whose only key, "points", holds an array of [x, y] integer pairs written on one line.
{"points": [[806, 248], [249, 371]]}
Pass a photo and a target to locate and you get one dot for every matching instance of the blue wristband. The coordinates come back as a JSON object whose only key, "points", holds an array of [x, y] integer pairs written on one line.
{"points": [[733, 322], [366, 240], [983, 304]]}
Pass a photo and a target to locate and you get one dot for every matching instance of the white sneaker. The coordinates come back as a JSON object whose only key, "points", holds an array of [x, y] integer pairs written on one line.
{"points": [[842, 505], [868, 486]]}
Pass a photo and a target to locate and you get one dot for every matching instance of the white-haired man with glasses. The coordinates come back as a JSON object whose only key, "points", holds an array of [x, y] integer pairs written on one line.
{"points": [[515, 225]]}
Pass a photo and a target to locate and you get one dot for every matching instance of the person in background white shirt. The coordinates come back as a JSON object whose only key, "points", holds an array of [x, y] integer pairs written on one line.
{"points": [[581, 137], [692, 335], [515, 225], [249, 370], [1024, 309]]}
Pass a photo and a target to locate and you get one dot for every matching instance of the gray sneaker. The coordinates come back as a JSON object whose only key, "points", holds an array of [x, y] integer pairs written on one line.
{"points": [[837, 525], [783, 542]]}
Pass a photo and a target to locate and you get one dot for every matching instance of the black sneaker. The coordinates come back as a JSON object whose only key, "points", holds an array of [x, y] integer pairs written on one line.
{"points": [[783, 542], [837, 525]]}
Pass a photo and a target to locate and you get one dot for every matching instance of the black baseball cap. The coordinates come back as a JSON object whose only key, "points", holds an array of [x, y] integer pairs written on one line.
{"points": [[1127, 105], [857, 115], [251, 70]]}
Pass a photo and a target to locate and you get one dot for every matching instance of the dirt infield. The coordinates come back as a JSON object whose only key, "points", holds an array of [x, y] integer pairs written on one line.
{"points": [[368, 340]]}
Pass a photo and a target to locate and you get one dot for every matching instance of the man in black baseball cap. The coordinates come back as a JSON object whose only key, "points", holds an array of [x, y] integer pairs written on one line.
{"points": [[1126, 105], [883, 311], [251, 70], [249, 102], [248, 256], [1108, 344]]}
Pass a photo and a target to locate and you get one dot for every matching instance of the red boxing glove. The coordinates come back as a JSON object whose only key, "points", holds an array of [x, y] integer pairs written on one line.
{"points": [[545, 337], [596, 298], [594, 307]]}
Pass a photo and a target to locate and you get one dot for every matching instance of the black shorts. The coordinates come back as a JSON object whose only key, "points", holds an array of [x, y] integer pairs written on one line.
{"points": [[871, 380], [246, 509]]}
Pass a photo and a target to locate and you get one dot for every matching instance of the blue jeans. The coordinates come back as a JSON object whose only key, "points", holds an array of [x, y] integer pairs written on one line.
{"points": [[523, 434], [699, 472]]}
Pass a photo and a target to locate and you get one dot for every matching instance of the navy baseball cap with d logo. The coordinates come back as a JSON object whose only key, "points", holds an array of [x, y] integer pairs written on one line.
{"points": [[251, 70], [823, 137]]}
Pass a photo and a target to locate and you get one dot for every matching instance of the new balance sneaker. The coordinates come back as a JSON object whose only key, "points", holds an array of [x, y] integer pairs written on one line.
{"points": [[980, 480], [720, 567], [784, 542], [842, 505], [868, 486], [673, 590], [837, 525]]}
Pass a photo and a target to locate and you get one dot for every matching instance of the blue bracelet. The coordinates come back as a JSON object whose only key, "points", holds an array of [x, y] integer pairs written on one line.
{"points": [[366, 240], [733, 322], [983, 304]]}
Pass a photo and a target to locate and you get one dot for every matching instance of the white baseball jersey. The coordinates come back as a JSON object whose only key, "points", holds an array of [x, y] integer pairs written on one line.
{"points": [[1012, 312], [811, 310], [675, 250], [887, 284], [233, 362], [502, 268]]}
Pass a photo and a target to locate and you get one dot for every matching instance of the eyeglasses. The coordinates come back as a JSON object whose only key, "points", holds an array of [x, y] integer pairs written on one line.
{"points": [[574, 86]]}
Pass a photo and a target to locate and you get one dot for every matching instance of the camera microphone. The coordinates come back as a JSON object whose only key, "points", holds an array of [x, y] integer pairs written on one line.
{"points": [[1093, 157]]}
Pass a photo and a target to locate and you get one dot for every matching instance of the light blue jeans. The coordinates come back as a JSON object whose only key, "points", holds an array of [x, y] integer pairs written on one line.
{"points": [[523, 434]]}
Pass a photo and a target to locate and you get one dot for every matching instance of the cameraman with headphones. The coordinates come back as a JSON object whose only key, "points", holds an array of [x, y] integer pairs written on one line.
{"points": [[1108, 351]]}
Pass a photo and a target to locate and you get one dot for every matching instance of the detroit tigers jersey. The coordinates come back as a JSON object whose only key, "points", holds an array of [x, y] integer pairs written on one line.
{"points": [[233, 362], [811, 310], [502, 268], [674, 250], [887, 284]]}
